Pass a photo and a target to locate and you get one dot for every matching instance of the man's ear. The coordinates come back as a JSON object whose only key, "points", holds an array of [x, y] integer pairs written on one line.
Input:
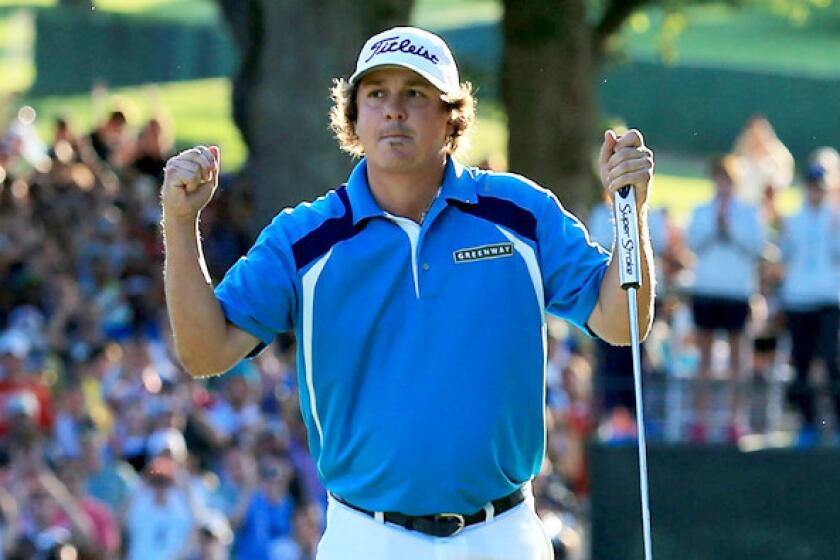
{"points": [[450, 128]]}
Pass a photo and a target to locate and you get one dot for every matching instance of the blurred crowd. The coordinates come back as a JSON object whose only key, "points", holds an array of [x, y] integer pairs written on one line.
{"points": [[106, 446], [108, 449]]}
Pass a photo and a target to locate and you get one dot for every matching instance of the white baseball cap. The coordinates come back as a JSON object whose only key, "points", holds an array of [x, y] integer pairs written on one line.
{"points": [[412, 48], [167, 439]]}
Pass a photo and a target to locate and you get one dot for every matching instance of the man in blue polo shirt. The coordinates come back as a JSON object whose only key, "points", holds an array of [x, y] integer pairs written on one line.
{"points": [[418, 292]]}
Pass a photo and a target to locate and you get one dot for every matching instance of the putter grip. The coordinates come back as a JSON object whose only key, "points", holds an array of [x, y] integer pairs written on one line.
{"points": [[627, 237]]}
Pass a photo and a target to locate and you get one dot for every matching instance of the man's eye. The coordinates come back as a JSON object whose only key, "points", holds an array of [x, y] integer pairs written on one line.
{"points": [[416, 93], [376, 93]]}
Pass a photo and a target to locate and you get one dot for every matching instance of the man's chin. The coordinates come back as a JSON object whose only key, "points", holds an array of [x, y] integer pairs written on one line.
{"points": [[394, 162]]}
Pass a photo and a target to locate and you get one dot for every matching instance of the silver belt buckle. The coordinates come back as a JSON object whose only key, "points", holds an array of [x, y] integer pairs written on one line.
{"points": [[458, 517]]}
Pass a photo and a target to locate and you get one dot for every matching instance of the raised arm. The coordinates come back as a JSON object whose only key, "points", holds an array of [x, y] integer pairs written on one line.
{"points": [[205, 342], [625, 161]]}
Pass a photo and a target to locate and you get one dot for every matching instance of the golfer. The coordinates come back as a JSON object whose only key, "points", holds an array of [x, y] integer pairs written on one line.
{"points": [[418, 292]]}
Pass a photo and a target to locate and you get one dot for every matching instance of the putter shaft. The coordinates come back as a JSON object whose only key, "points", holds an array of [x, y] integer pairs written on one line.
{"points": [[640, 420]]}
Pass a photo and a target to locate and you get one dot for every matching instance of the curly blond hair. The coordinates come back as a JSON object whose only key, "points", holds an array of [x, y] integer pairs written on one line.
{"points": [[345, 111]]}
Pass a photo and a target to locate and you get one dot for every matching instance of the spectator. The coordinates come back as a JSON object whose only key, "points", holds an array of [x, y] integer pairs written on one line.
{"points": [[70, 420], [151, 151], [107, 479], [573, 426], [302, 544], [727, 236], [305, 466], [67, 148], [21, 393], [214, 538], [167, 442], [237, 411], [268, 514], [131, 433], [105, 535], [224, 241], [91, 371], [767, 163], [811, 297], [51, 510], [109, 139], [9, 507], [827, 158], [237, 480], [160, 518]]}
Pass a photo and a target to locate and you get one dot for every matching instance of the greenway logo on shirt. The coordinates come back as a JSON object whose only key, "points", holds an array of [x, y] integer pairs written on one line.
{"points": [[494, 251]]}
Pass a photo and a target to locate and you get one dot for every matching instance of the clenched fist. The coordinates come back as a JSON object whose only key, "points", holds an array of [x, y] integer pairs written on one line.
{"points": [[625, 160], [189, 181]]}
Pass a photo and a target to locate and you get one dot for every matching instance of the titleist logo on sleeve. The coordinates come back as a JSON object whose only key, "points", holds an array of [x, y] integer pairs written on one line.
{"points": [[393, 44]]}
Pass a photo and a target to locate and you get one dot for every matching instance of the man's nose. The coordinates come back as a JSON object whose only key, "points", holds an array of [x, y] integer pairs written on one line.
{"points": [[395, 108]]}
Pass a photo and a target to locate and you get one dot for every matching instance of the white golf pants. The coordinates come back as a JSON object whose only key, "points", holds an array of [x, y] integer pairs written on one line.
{"points": [[517, 534]]}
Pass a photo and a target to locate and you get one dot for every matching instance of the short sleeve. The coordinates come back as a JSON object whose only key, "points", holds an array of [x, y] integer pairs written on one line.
{"points": [[572, 265], [259, 292]]}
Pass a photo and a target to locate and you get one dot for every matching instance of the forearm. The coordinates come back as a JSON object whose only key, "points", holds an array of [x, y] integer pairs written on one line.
{"points": [[80, 523], [611, 319], [11, 515], [198, 323]]}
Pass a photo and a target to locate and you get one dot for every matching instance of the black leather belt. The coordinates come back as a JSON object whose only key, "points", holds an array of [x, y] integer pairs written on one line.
{"points": [[442, 524]]}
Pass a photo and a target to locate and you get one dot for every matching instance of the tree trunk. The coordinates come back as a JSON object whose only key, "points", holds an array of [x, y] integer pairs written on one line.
{"points": [[291, 50], [548, 89]]}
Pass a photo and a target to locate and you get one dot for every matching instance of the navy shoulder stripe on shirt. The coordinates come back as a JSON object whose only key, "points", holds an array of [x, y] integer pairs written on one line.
{"points": [[321, 239], [504, 213]]}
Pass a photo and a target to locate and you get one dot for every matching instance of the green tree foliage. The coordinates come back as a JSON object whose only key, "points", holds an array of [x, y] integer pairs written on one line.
{"points": [[290, 50], [553, 55]]}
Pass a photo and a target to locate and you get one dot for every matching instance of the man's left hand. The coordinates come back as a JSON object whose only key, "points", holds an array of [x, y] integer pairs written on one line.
{"points": [[625, 160]]}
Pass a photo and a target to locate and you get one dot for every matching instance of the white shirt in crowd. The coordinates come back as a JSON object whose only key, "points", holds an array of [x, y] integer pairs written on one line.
{"points": [[726, 267], [229, 421], [810, 246], [155, 530], [770, 171]]}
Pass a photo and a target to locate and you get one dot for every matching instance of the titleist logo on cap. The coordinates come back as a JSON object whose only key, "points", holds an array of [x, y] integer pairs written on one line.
{"points": [[393, 44]]}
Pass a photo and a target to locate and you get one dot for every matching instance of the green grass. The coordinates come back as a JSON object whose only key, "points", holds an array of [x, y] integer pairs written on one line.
{"points": [[746, 38], [187, 11], [200, 111], [17, 74], [17, 37], [27, 3], [447, 14]]}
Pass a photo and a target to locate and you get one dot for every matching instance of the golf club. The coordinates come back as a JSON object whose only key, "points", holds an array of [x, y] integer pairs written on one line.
{"points": [[627, 250]]}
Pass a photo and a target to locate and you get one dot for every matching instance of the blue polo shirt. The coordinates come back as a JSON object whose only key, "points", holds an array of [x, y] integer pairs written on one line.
{"points": [[421, 348]]}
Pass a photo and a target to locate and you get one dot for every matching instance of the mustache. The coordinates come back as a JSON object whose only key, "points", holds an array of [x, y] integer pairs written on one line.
{"points": [[397, 129]]}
